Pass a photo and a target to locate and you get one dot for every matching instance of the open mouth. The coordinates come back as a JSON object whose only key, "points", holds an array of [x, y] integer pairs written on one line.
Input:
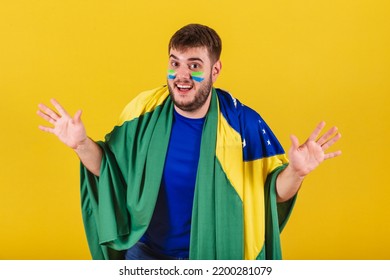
{"points": [[183, 88]]}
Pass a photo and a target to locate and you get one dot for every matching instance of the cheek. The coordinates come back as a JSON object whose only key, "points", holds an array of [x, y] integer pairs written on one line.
{"points": [[170, 83], [171, 75], [198, 76], [198, 79]]}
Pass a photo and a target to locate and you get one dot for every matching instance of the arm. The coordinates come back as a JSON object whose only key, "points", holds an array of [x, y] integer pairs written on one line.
{"points": [[71, 132], [304, 159], [90, 155]]}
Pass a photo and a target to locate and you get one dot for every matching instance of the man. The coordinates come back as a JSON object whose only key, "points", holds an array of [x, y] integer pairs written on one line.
{"points": [[189, 171]]}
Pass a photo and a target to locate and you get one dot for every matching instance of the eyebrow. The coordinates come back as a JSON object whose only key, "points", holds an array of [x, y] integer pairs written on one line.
{"points": [[189, 59]]}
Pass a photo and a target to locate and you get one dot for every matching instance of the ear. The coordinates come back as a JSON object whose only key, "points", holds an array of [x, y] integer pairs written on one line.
{"points": [[217, 67]]}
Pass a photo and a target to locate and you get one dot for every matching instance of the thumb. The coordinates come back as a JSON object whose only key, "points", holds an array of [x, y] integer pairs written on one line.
{"points": [[77, 117], [294, 142]]}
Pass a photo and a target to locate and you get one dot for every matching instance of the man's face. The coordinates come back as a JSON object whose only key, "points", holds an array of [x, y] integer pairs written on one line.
{"points": [[190, 79]]}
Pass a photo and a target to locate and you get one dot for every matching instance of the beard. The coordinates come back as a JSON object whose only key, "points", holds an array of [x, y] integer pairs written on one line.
{"points": [[199, 99]]}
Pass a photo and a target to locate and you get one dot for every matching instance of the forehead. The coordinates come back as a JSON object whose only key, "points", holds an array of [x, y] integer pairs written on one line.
{"points": [[188, 54]]}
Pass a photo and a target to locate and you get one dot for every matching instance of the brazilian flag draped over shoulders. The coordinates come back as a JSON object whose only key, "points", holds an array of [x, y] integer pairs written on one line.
{"points": [[235, 212]]}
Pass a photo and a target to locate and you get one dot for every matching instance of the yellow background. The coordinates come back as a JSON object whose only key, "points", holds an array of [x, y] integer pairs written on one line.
{"points": [[296, 62]]}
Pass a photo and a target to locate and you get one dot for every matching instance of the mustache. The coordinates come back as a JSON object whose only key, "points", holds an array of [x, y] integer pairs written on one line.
{"points": [[183, 81]]}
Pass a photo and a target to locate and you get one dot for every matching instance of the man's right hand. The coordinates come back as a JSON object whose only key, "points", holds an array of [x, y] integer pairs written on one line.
{"points": [[71, 131]]}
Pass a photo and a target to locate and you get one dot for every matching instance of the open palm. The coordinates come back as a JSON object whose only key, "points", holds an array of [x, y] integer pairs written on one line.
{"points": [[306, 157], [70, 130]]}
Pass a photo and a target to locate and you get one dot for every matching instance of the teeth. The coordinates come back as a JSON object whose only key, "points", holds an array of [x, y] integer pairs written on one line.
{"points": [[184, 86]]}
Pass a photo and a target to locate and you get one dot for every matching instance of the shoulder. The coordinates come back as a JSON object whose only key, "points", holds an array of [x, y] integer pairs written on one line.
{"points": [[144, 102], [258, 139], [235, 112]]}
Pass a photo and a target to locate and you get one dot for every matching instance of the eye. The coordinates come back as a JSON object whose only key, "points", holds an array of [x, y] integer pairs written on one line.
{"points": [[174, 63], [194, 66]]}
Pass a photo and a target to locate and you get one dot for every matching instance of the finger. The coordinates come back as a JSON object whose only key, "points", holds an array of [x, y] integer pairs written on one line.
{"points": [[331, 141], [332, 155], [294, 142], [59, 108], [325, 137], [46, 129], [48, 111], [316, 132], [77, 116], [46, 117]]}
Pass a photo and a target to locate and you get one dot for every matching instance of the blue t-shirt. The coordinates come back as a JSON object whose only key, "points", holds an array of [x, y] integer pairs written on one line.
{"points": [[170, 227]]}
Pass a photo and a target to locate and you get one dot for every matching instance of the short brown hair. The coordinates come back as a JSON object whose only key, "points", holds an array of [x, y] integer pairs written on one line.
{"points": [[197, 35]]}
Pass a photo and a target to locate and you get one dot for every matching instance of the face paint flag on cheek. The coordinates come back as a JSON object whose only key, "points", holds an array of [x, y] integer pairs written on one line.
{"points": [[171, 74], [197, 76]]}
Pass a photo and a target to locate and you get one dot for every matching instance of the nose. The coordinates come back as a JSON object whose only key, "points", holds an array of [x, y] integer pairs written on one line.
{"points": [[183, 73]]}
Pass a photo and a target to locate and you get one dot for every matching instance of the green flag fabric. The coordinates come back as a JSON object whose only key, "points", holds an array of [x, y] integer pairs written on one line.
{"points": [[235, 213]]}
